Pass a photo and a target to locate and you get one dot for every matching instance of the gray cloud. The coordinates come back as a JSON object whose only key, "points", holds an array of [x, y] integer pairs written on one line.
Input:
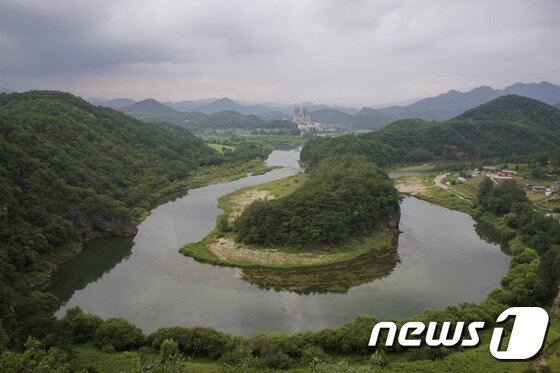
{"points": [[354, 52]]}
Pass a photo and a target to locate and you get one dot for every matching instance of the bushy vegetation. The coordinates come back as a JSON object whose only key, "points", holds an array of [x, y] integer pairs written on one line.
{"points": [[32, 339], [506, 129], [70, 172], [118, 334], [344, 197], [510, 201], [533, 277]]}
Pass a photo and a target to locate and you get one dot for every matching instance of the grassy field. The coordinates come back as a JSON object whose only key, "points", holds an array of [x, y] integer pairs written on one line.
{"points": [[424, 188], [219, 247], [220, 148], [89, 358], [278, 141], [425, 167], [225, 173]]}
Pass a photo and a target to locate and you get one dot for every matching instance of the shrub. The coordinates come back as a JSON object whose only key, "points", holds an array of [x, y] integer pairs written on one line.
{"points": [[168, 350], [240, 356], [313, 353], [379, 358], [195, 341], [118, 333], [82, 325]]}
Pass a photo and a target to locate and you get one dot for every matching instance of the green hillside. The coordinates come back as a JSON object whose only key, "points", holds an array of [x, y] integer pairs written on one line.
{"points": [[72, 171], [506, 129]]}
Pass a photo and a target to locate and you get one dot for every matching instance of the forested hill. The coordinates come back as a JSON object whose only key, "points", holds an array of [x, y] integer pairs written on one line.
{"points": [[150, 110], [505, 129], [71, 170]]}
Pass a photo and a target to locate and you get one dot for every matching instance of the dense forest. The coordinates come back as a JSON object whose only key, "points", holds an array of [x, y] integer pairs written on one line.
{"points": [[343, 197], [66, 162], [509, 128], [72, 171], [537, 267]]}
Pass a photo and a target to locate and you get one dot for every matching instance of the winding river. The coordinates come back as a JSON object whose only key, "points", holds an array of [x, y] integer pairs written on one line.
{"points": [[444, 257]]}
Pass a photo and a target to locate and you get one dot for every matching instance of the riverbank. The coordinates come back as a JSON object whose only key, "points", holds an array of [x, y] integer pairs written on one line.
{"points": [[219, 247], [203, 177]]}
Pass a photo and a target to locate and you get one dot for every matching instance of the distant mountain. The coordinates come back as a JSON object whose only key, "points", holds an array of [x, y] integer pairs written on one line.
{"points": [[187, 105], [543, 91], [6, 90], [453, 103], [332, 116], [148, 106], [222, 104], [444, 106], [265, 111], [225, 119], [372, 119], [150, 110], [508, 128], [115, 103], [557, 105]]}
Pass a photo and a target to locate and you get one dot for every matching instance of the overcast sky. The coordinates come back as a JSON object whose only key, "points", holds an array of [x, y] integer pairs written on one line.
{"points": [[348, 52]]}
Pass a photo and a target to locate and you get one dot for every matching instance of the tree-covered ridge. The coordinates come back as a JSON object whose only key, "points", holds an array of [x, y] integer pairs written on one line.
{"points": [[150, 110], [507, 128], [343, 198], [71, 170]]}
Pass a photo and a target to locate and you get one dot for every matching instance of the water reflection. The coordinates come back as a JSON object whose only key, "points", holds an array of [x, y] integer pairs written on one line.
{"points": [[442, 261], [338, 278], [96, 259]]}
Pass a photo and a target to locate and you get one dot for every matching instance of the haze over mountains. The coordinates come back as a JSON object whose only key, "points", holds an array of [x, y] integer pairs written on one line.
{"points": [[508, 128], [442, 107]]}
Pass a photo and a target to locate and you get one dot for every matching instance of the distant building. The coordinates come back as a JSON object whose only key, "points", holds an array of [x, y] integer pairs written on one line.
{"points": [[473, 173], [301, 115], [490, 171], [507, 174], [302, 118], [554, 186], [538, 189]]}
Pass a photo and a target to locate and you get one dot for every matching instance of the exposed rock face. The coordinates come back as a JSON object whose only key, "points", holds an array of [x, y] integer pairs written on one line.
{"points": [[391, 222], [96, 226]]}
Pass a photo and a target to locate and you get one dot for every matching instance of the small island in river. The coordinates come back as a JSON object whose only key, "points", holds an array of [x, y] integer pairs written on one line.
{"points": [[336, 212]]}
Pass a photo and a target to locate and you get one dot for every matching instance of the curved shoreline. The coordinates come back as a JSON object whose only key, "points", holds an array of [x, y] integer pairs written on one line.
{"points": [[219, 246]]}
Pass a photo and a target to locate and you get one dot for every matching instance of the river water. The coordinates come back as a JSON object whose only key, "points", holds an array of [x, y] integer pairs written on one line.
{"points": [[444, 257]]}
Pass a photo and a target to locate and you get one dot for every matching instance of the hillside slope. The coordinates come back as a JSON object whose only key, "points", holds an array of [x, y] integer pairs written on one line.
{"points": [[507, 128], [73, 171]]}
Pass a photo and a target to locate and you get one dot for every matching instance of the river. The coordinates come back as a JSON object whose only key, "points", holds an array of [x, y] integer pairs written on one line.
{"points": [[444, 257]]}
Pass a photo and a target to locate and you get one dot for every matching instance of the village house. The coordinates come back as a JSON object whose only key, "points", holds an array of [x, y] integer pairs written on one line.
{"points": [[507, 174]]}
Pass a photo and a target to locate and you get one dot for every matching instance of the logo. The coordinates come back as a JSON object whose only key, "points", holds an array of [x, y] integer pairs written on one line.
{"points": [[526, 340]]}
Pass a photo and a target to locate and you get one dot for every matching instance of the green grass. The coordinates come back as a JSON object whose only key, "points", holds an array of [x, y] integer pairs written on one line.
{"points": [[425, 167], [277, 188], [225, 173], [235, 136], [86, 356], [442, 197], [220, 148]]}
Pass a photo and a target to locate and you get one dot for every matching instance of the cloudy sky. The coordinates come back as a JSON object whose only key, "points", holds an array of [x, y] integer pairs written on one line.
{"points": [[350, 52]]}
